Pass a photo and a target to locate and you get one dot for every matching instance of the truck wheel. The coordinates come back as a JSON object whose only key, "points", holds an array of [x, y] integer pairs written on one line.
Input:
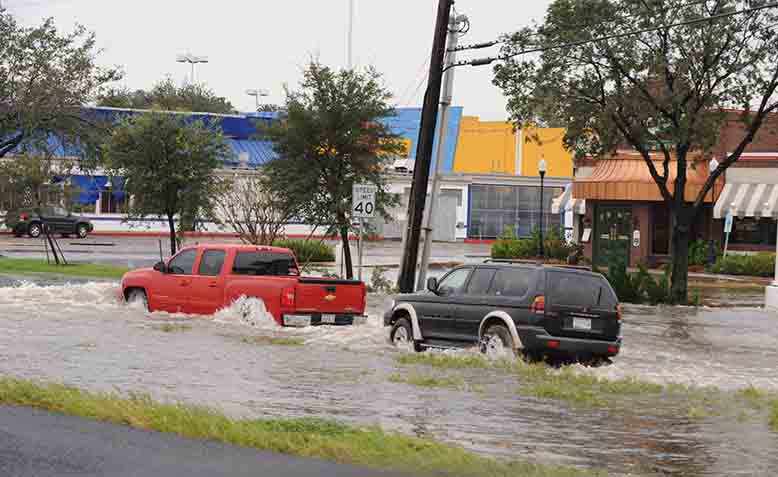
{"points": [[35, 230], [401, 336], [137, 297], [497, 342], [82, 231]]}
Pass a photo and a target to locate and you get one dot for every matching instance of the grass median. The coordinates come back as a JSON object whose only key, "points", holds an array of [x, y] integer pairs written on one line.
{"points": [[333, 441], [28, 266]]}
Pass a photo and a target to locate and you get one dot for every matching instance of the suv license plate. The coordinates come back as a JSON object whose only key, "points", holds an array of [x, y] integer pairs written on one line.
{"points": [[582, 324], [327, 319]]}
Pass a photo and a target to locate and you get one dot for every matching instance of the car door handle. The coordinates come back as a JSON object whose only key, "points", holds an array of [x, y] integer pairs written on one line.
{"points": [[213, 285], [184, 283]]}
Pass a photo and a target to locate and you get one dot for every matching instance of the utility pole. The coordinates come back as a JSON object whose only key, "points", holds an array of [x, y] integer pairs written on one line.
{"points": [[421, 169], [445, 103], [350, 34]]}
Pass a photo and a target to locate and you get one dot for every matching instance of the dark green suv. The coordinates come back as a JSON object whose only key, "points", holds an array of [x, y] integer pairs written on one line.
{"points": [[57, 219], [511, 308]]}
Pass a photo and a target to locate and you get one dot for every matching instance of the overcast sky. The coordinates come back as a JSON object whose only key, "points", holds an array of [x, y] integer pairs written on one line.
{"points": [[264, 43]]}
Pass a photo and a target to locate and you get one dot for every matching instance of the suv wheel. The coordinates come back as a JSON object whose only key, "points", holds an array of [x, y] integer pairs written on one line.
{"points": [[497, 342], [82, 231], [35, 230], [401, 336]]}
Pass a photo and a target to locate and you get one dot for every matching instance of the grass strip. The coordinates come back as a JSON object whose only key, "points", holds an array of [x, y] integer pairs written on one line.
{"points": [[272, 341], [86, 270], [174, 327], [333, 441], [773, 417], [426, 381], [444, 361]]}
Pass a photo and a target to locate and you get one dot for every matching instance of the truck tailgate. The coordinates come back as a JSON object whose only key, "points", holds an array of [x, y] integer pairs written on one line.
{"points": [[320, 295]]}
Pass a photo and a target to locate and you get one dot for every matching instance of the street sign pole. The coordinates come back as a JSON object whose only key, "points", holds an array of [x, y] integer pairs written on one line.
{"points": [[727, 230], [362, 207]]}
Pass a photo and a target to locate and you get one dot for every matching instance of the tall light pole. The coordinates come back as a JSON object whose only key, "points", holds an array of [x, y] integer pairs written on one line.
{"points": [[257, 93], [542, 171], [350, 34], [192, 60]]}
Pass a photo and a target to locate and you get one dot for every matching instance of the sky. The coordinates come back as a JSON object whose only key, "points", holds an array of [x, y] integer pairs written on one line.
{"points": [[264, 44]]}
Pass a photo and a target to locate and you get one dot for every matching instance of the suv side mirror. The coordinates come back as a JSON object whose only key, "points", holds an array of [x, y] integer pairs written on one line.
{"points": [[160, 267], [432, 284]]}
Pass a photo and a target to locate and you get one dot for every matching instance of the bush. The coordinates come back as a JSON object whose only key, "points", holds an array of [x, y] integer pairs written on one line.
{"points": [[555, 247], [698, 252], [638, 287], [308, 251], [758, 265]]}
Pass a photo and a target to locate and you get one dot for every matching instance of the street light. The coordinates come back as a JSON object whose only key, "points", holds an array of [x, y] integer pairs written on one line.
{"points": [[192, 60], [542, 171], [257, 93]]}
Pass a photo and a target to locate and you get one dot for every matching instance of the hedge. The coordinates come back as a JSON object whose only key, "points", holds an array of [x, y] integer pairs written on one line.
{"points": [[308, 250]]}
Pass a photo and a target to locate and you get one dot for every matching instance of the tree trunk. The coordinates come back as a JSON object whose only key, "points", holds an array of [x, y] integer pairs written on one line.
{"points": [[347, 253], [680, 255], [172, 225]]}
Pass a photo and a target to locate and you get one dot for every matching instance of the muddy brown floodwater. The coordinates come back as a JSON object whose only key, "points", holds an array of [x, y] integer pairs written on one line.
{"points": [[81, 335]]}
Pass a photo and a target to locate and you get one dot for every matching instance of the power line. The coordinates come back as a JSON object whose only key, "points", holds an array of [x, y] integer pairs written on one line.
{"points": [[489, 44], [490, 60]]}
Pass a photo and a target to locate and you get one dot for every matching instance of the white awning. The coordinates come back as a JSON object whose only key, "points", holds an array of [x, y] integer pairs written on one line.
{"points": [[566, 202], [747, 200]]}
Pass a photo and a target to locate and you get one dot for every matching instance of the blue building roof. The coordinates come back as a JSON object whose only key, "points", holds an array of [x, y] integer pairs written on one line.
{"points": [[242, 131]]}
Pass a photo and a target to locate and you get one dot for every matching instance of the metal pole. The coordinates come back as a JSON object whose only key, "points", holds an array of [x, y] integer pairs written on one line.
{"points": [[192, 77], [445, 103], [350, 34], [359, 246], [542, 176], [421, 169], [775, 279]]}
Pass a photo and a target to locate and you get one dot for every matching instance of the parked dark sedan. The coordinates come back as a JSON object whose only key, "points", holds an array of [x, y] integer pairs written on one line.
{"points": [[57, 219], [511, 307]]}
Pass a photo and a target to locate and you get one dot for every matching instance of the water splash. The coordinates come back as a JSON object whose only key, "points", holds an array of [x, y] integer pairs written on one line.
{"points": [[99, 294], [247, 311]]}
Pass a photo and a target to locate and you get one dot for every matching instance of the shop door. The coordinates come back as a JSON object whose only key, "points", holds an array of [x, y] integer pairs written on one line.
{"points": [[613, 234]]}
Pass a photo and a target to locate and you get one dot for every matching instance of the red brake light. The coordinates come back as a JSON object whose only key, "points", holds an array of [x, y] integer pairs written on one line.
{"points": [[539, 305], [618, 312], [288, 298], [24, 216], [552, 344]]}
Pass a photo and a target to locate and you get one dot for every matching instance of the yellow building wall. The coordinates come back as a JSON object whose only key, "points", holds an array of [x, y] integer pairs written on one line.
{"points": [[546, 143], [485, 147], [489, 147]]}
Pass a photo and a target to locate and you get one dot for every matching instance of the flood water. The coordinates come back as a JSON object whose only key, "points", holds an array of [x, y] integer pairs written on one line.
{"points": [[81, 335]]}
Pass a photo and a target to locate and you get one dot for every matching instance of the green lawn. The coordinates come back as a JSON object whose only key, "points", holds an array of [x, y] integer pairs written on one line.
{"points": [[300, 437], [34, 266]]}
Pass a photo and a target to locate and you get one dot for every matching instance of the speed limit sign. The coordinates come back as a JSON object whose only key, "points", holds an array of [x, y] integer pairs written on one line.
{"points": [[363, 200]]}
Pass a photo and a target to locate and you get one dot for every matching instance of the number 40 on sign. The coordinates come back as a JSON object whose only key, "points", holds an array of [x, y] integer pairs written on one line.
{"points": [[363, 200]]}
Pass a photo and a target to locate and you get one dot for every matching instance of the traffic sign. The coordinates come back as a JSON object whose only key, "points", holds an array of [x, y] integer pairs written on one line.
{"points": [[728, 223], [363, 201]]}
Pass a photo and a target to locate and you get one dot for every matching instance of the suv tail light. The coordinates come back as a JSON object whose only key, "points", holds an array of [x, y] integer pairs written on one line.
{"points": [[618, 312], [539, 305], [288, 298], [24, 217]]}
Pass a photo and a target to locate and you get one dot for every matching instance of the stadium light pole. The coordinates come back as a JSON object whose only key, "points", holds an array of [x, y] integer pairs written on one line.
{"points": [[192, 60], [257, 93]]}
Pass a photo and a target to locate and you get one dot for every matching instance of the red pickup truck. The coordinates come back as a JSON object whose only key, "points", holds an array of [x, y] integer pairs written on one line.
{"points": [[206, 278]]}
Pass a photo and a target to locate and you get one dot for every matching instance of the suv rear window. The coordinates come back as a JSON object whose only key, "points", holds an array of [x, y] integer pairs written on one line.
{"points": [[511, 282], [264, 263], [577, 289]]}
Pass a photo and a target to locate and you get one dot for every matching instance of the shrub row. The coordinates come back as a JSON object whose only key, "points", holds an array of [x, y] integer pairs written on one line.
{"points": [[758, 265], [555, 247], [308, 250]]}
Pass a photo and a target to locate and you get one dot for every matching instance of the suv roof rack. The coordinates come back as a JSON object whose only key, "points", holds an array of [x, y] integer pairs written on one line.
{"points": [[506, 260]]}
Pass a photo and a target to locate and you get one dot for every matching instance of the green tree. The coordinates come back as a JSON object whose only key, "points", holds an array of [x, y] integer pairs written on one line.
{"points": [[45, 80], [170, 165], [166, 95], [670, 88], [329, 138]]}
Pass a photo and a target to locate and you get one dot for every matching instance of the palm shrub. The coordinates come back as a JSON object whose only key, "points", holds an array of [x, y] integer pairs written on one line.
{"points": [[307, 250]]}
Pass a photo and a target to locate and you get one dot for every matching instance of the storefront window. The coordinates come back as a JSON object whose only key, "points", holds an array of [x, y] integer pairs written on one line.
{"points": [[750, 231], [495, 208]]}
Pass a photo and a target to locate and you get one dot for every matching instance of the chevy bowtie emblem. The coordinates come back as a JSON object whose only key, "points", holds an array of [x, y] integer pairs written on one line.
{"points": [[330, 297]]}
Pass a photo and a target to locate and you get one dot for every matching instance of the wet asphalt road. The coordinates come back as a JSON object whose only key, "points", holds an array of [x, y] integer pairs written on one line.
{"points": [[39, 444]]}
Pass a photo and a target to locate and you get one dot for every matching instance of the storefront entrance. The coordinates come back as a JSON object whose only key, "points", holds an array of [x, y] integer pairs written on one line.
{"points": [[612, 234]]}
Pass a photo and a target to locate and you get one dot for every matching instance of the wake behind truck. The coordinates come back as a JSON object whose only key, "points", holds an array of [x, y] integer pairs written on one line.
{"points": [[206, 278]]}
